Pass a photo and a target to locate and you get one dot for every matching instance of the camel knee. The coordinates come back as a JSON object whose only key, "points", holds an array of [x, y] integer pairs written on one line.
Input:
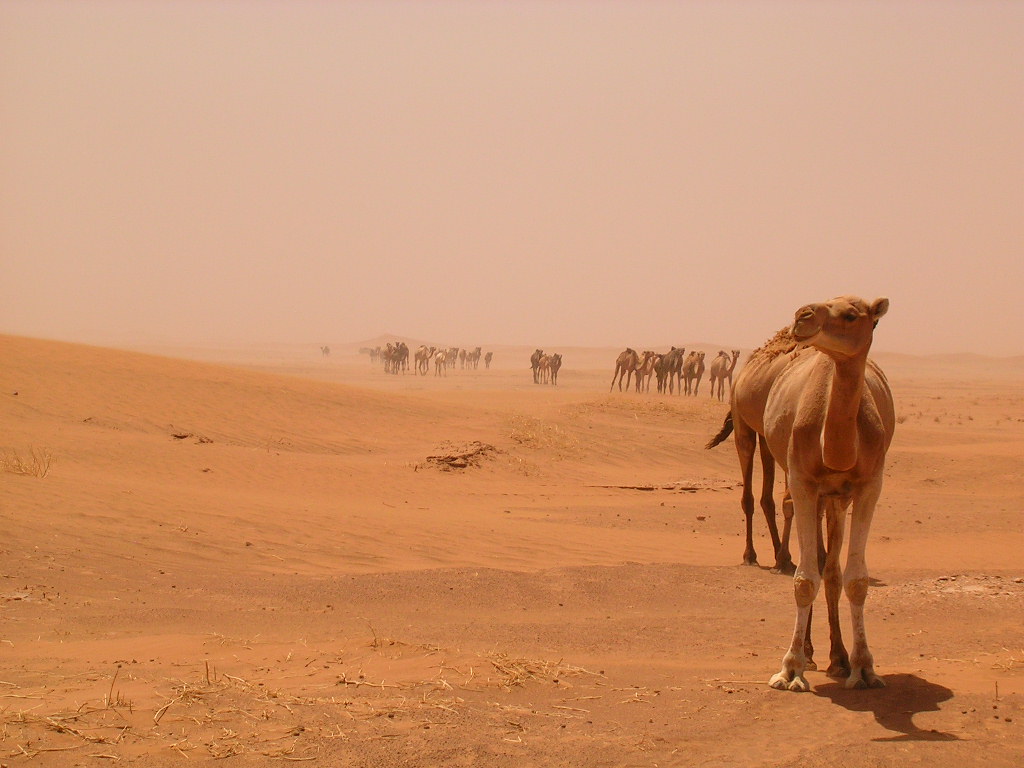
{"points": [[857, 590], [805, 590]]}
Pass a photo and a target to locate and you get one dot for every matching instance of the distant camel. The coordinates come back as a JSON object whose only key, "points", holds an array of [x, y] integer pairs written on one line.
{"points": [[487, 360], [544, 369], [462, 358], [645, 369], [473, 358], [554, 364], [423, 357], [721, 369], [625, 364], [693, 369], [440, 363], [325, 351], [668, 368], [535, 364]]}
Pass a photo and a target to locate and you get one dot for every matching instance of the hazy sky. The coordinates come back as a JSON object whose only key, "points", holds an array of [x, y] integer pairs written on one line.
{"points": [[549, 173]]}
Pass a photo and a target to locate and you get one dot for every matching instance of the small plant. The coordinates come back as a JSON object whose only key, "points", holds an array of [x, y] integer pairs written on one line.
{"points": [[37, 464]]}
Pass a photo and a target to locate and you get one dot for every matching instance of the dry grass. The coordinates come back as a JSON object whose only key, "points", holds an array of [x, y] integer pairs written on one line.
{"points": [[532, 432], [37, 464]]}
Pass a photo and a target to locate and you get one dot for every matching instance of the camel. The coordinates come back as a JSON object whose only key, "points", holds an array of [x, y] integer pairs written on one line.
{"points": [[829, 420], [553, 365], [423, 357], [325, 351], [535, 364], [473, 358], [746, 416], [644, 370], [625, 364], [544, 368], [441, 363], [462, 358], [487, 360], [671, 370], [693, 369], [721, 369]]}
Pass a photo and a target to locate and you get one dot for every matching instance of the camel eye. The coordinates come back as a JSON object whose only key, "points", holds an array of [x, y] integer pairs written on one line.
{"points": [[850, 316]]}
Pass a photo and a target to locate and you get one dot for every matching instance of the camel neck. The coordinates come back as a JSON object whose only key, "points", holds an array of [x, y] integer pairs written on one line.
{"points": [[839, 437]]}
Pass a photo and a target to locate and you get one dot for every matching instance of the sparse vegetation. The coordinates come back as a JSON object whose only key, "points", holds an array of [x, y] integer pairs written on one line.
{"points": [[37, 464], [534, 433]]}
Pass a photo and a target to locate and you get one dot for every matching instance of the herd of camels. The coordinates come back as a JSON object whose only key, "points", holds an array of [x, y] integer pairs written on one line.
{"points": [[395, 358], [809, 400], [674, 372]]}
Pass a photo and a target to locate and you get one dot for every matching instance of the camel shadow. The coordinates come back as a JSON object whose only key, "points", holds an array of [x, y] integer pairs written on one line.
{"points": [[895, 706]]}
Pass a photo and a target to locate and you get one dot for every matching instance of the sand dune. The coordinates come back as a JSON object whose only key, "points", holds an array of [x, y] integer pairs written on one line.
{"points": [[271, 558]]}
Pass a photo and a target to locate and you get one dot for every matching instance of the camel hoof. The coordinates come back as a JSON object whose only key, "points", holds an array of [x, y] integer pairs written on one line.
{"points": [[838, 671], [781, 681], [865, 679], [811, 665], [750, 561], [785, 569]]}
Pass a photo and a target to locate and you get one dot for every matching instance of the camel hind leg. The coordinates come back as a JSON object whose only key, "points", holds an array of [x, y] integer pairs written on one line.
{"points": [[746, 442]]}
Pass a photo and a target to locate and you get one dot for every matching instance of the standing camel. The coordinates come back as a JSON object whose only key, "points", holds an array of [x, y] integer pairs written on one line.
{"points": [[544, 369], [554, 364], [625, 364], [829, 421], [441, 363], [487, 360], [721, 369]]}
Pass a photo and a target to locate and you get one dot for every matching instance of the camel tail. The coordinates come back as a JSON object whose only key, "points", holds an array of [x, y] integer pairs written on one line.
{"points": [[723, 433]]}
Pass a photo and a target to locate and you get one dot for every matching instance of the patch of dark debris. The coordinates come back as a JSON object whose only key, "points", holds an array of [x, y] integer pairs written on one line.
{"points": [[461, 456], [181, 434]]}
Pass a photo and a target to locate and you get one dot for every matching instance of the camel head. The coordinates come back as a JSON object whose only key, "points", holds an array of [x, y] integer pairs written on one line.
{"points": [[840, 327]]}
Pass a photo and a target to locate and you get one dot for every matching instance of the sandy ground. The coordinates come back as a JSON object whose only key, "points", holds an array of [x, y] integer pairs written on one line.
{"points": [[259, 561]]}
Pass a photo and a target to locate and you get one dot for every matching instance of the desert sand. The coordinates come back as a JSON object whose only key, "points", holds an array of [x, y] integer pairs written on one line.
{"points": [[263, 555]]}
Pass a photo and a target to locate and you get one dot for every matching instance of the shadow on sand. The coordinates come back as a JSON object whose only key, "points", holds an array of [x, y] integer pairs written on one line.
{"points": [[894, 706]]}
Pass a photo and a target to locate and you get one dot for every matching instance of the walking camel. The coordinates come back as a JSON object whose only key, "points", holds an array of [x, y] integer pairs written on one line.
{"points": [[672, 369], [645, 369], [487, 360], [693, 370], [535, 364], [829, 420], [441, 363], [746, 415], [721, 369], [625, 364]]}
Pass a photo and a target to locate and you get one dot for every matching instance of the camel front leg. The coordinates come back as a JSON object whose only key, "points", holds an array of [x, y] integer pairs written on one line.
{"points": [[805, 589], [835, 521], [862, 663]]}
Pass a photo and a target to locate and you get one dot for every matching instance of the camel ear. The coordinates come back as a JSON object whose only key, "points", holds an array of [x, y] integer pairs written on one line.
{"points": [[879, 307]]}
